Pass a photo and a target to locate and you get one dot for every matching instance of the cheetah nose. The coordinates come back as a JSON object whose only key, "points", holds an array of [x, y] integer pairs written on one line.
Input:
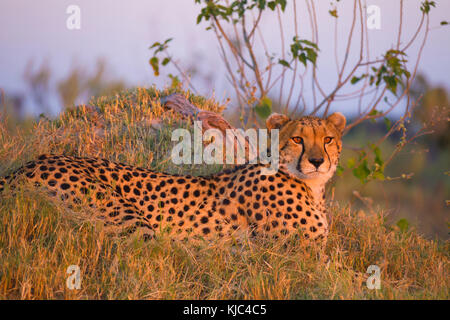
{"points": [[316, 162]]}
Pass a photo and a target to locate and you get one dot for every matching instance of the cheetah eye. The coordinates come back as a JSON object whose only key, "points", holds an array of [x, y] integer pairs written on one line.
{"points": [[297, 140], [328, 140]]}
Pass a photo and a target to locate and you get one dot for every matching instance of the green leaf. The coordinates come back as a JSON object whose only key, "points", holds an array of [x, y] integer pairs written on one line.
{"points": [[176, 83], [199, 18], [304, 50], [378, 175], [403, 225], [426, 6], [272, 5], [339, 170], [261, 4], [154, 62], [374, 112], [284, 63], [154, 45], [391, 83], [302, 58], [165, 61], [309, 43], [362, 171], [378, 159], [264, 108], [387, 123], [356, 79], [312, 55], [351, 163], [282, 4], [333, 13]]}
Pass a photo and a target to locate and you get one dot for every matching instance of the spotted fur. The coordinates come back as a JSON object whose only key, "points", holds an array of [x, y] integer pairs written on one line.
{"points": [[130, 199]]}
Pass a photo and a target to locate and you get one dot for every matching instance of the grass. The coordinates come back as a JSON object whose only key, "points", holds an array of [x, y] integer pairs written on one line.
{"points": [[40, 238], [421, 198]]}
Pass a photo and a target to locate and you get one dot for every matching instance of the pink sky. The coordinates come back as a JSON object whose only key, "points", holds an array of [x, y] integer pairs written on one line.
{"points": [[121, 32]]}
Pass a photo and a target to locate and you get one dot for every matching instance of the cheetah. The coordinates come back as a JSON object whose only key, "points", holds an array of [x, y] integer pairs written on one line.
{"points": [[129, 199]]}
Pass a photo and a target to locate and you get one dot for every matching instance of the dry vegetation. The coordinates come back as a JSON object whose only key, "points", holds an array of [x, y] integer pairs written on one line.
{"points": [[40, 238]]}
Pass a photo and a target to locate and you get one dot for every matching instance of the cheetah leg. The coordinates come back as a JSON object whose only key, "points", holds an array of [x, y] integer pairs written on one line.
{"points": [[123, 218]]}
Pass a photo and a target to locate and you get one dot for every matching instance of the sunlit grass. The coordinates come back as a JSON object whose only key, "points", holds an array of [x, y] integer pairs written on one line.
{"points": [[40, 238]]}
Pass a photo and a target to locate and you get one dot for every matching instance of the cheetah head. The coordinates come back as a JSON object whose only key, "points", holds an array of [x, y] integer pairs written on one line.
{"points": [[309, 147]]}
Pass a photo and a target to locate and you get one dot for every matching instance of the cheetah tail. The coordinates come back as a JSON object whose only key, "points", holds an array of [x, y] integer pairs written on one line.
{"points": [[6, 181], [3, 182]]}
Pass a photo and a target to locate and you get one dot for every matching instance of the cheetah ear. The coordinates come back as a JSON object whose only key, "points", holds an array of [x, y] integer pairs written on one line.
{"points": [[338, 120], [276, 121]]}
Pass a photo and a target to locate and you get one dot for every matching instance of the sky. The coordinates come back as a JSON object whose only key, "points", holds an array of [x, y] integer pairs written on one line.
{"points": [[122, 31]]}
